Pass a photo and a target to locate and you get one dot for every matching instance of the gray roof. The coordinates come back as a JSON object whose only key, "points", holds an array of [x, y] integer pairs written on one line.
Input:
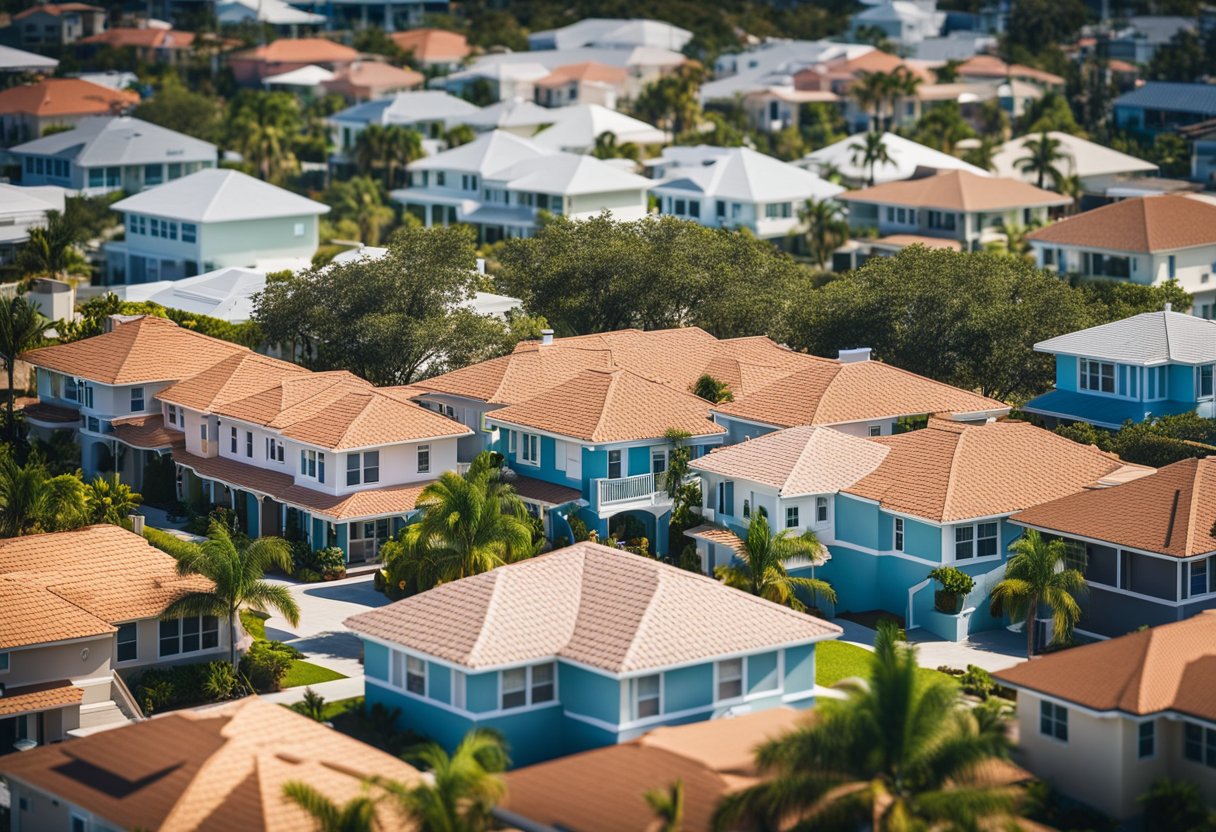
{"points": [[409, 108], [103, 140], [1183, 98], [17, 60], [1150, 338], [215, 195]]}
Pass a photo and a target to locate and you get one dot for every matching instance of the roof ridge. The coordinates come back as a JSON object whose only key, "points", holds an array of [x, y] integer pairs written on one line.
{"points": [[496, 577], [609, 395], [1192, 511], [954, 466], [805, 450], [645, 618]]}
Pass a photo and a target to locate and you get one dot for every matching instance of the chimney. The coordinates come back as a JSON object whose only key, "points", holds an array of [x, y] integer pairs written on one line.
{"points": [[853, 356], [546, 337], [137, 523], [1169, 307]]}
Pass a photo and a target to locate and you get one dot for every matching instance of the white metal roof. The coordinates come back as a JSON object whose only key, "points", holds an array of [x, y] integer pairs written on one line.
{"points": [[215, 195], [409, 108], [569, 174], [906, 156], [274, 12], [743, 174], [305, 76], [17, 60], [226, 294], [486, 154], [1147, 339], [510, 112], [576, 128], [1083, 158], [120, 140]]}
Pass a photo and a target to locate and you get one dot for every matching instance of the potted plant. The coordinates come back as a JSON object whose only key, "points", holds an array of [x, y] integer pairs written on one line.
{"points": [[955, 585]]}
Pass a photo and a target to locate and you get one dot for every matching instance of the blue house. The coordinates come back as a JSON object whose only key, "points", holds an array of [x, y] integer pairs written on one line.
{"points": [[1152, 364], [889, 515], [1162, 107], [584, 647]]}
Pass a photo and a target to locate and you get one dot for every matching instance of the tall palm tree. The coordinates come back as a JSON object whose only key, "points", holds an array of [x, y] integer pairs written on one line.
{"points": [[402, 145], [1038, 575], [900, 752], [668, 806], [265, 129], [369, 150], [361, 200], [871, 90], [238, 573], [901, 86], [761, 569], [355, 815], [826, 228], [1070, 186], [983, 155], [461, 790], [1043, 159], [21, 329], [607, 147], [31, 500], [869, 153], [51, 248]]}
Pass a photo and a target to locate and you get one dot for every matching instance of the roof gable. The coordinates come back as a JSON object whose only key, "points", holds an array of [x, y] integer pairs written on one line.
{"points": [[220, 195], [957, 190], [1142, 224], [1149, 338]]}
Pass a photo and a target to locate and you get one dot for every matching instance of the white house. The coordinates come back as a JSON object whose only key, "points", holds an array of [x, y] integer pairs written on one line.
{"points": [[742, 189], [576, 128], [430, 112], [612, 33], [105, 154], [772, 63], [208, 220], [1096, 165], [225, 293], [906, 155], [500, 183], [22, 209], [906, 22], [520, 116]]}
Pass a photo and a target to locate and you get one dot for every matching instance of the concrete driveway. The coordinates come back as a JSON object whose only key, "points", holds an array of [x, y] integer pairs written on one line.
{"points": [[991, 650]]}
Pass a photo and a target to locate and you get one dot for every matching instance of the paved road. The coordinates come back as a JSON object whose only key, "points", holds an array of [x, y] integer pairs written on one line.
{"points": [[991, 650]]}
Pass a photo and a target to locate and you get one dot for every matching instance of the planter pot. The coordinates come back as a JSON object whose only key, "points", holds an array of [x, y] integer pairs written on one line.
{"points": [[947, 602]]}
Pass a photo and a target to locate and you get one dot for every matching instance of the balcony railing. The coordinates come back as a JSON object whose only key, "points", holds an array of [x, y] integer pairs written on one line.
{"points": [[629, 489]]}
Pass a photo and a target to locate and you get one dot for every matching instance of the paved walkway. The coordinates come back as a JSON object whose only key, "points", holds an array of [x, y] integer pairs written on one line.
{"points": [[991, 650]]}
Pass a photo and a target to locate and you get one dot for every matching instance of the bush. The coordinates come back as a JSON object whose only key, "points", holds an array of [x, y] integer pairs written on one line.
{"points": [[953, 579], [578, 528], [308, 576], [169, 544], [330, 561], [1178, 806], [379, 580], [221, 681], [266, 663], [977, 682], [166, 688], [312, 566]]}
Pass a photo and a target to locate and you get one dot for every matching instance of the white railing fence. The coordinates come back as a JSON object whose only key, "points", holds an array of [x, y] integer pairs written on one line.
{"points": [[624, 489]]}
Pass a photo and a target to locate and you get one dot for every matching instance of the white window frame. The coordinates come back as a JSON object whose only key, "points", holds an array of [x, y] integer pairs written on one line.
{"points": [[821, 503], [1050, 712], [459, 688], [974, 541], [898, 539], [620, 460], [1152, 739], [721, 676], [202, 631], [530, 684], [408, 672], [635, 700], [118, 642], [1083, 376], [529, 449], [312, 464], [791, 517], [137, 395], [424, 459]]}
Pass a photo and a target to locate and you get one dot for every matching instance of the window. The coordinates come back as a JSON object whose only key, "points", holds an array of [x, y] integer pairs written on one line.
{"points": [[747, 508], [964, 542], [730, 680], [791, 517], [875, 430], [353, 468], [658, 460], [821, 509], [232, 441], [249, 444], [202, 433], [189, 635], [128, 642], [694, 209], [274, 449], [1053, 720], [97, 177], [175, 170], [299, 229], [899, 534], [678, 208], [1199, 744], [189, 232], [84, 394], [544, 683], [3, 662], [137, 399], [720, 209], [523, 686], [647, 696], [1204, 382], [172, 414], [1173, 267], [529, 451], [614, 465], [415, 675], [986, 540], [312, 465], [458, 689], [514, 688], [777, 210], [1146, 739], [1098, 376], [154, 224], [441, 178], [424, 460], [154, 175], [1198, 578]]}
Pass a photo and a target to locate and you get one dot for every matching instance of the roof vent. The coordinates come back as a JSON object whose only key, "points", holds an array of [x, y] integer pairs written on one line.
{"points": [[853, 356], [1169, 307], [546, 337]]}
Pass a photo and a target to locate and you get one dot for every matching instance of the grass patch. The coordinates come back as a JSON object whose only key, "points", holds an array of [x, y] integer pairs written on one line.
{"points": [[254, 623], [306, 673], [341, 707], [836, 660]]}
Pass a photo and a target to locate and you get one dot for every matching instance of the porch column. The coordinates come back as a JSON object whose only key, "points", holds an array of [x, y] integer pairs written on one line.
{"points": [[344, 539]]}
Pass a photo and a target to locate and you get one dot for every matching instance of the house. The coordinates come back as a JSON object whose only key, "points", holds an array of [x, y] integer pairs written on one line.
{"points": [[585, 83], [250, 66], [839, 74], [222, 767], [436, 49], [1147, 240], [1103, 721], [500, 183], [609, 33], [1148, 546], [741, 188], [103, 154], [525, 649], [23, 208], [602, 790], [81, 608], [576, 128], [938, 496], [277, 13], [1151, 364], [149, 44], [1164, 107], [17, 60], [1143, 35], [907, 157], [992, 68], [26, 111], [496, 81], [362, 14], [52, 25], [226, 294], [776, 108], [904, 22], [208, 220], [771, 63], [520, 116], [430, 112], [956, 205], [1097, 166], [307, 82], [367, 80]]}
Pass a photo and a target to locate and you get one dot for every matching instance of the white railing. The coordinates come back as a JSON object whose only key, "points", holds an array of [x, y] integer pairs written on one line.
{"points": [[462, 468], [626, 489]]}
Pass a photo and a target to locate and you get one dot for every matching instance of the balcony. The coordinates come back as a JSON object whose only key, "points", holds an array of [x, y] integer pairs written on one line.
{"points": [[646, 489]]}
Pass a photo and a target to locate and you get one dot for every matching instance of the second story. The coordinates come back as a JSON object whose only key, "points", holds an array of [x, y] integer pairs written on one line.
{"points": [[585, 83], [27, 110], [23, 208], [1162, 107], [104, 154], [52, 25], [430, 112], [250, 66], [1151, 364]]}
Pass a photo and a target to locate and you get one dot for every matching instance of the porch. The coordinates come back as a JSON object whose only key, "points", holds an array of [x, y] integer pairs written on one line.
{"points": [[641, 491]]}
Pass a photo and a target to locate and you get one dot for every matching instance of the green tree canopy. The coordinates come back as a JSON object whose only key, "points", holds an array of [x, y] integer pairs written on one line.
{"points": [[177, 107]]}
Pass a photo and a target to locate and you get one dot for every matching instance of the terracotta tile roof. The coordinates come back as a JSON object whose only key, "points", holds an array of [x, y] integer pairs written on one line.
{"points": [[796, 461], [591, 71], [957, 190], [56, 9], [601, 790], [238, 376], [539, 491], [612, 406], [949, 471], [376, 502], [105, 573], [1144, 224], [1171, 667], [121, 37], [43, 412], [432, 45], [990, 66], [299, 51], [148, 432], [718, 536], [214, 768], [374, 75], [65, 97], [590, 604], [44, 697], [1170, 512], [902, 240], [828, 392], [142, 350]]}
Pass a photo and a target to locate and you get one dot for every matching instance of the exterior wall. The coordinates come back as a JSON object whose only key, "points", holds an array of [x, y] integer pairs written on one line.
{"points": [[80, 659], [1192, 267], [244, 243]]}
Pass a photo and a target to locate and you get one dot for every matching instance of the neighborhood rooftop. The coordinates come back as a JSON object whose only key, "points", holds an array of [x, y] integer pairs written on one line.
{"points": [[1148, 339], [216, 195], [104, 140], [1143, 224], [957, 190]]}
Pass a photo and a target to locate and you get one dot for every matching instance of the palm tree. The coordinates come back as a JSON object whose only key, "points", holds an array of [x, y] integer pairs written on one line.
{"points": [[238, 573], [265, 128], [1016, 243], [983, 155], [51, 249], [868, 153], [761, 569], [709, 388], [109, 500], [900, 752], [21, 328], [668, 806], [459, 134], [470, 524], [355, 815], [361, 200], [402, 145], [369, 150], [461, 790], [902, 85], [871, 90], [1038, 574], [31, 500], [1044, 154], [1070, 186], [826, 228], [606, 147]]}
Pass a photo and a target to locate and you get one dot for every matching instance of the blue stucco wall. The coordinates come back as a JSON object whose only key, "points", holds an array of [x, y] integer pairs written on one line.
{"points": [[761, 671], [1182, 383], [375, 660], [799, 670], [688, 687], [856, 521], [590, 694], [854, 576], [481, 692], [1066, 372], [923, 540], [737, 431], [439, 682]]}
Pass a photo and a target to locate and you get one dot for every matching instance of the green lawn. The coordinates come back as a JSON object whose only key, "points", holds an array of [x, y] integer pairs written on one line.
{"points": [[254, 623], [836, 660], [332, 710], [306, 673]]}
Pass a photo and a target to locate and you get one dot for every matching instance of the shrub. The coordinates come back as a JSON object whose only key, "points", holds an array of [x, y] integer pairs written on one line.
{"points": [[578, 528], [312, 566], [379, 580], [169, 544], [266, 663], [221, 681], [977, 682], [180, 686], [330, 561], [308, 576], [953, 579]]}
